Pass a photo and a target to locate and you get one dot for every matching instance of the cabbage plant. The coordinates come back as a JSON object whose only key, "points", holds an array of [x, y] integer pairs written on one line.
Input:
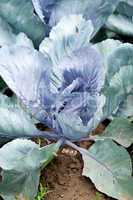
{"points": [[70, 86]]}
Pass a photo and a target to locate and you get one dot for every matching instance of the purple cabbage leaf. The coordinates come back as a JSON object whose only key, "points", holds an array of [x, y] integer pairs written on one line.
{"points": [[98, 12]]}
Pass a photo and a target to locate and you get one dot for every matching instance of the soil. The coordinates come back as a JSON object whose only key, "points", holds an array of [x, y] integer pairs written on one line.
{"points": [[63, 177], [64, 180]]}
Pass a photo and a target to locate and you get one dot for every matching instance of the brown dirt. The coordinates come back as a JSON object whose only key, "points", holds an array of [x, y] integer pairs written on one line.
{"points": [[64, 180], [63, 177]]}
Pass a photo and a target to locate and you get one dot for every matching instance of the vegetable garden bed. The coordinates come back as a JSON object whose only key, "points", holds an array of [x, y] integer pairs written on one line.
{"points": [[66, 99]]}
